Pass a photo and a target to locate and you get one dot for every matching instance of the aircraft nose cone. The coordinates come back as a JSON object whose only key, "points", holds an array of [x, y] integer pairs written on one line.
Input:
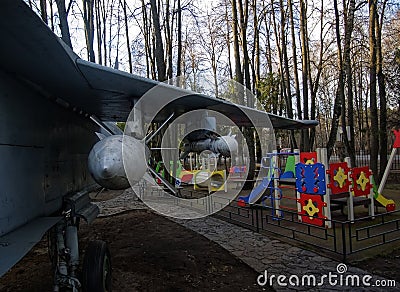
{"points": [[105, 173], [110, 166], [106, 165]]}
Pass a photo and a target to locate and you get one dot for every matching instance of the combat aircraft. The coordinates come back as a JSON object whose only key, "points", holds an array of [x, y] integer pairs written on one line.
{"points": [[52, 104]]}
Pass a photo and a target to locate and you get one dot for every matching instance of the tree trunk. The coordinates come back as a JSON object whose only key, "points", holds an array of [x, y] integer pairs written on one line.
{"points": [[88, 20], [236, 53], [256, 50], [147, 41], [98, 31], [228, 41], [286, 74], [348, 28], [383, 139], [179, 37], [128, 43], [110, 33], [283, 93], [43, 10], [243, 13], [51, 16], [116, 63], [159, 48], [338, 104], [314, 86], [65, 35], [104, 14], [269, 52], [295, 70], [305, 68], [373, 98], [169, 28], [248, 132]]}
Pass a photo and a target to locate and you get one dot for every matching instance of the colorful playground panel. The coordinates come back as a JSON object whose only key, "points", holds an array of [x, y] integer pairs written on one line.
{"points": [[308, 157], [311, 184], [310, 178], [339, 177], [312, 207], [396, 143], [361, 181]]}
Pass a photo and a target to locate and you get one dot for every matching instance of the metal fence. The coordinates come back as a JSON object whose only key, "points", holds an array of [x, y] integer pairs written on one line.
{"points": [[345, 238], [363, 159]]}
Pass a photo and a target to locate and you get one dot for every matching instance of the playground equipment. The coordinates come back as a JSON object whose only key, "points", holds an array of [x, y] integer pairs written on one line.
{"points": [[310, 183], [238, 171], [318, 190], [389, 204], [273, 182], [205, 176], [212, 180], [351, 187]]}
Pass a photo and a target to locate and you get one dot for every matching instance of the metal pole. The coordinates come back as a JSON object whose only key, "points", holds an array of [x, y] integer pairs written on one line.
{"points": [[344, 251], [387, 171]]}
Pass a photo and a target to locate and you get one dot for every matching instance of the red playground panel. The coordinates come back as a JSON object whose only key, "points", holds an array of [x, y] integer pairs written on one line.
{"points": [[361, 181], [308, 157], [312, 208], [338, 177], [187, 178], [396, 143]]}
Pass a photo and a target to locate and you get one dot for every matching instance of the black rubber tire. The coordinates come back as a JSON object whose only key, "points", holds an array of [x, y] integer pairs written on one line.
{"points": [[96, 270]]}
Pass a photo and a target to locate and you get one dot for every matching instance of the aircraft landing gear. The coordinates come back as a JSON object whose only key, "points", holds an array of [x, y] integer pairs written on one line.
{"points": [[96, 271], [64, 251], [64, 254]]}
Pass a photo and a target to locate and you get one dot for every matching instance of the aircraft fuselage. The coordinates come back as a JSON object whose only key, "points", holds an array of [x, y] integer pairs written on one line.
{"points": [[43, 152]]}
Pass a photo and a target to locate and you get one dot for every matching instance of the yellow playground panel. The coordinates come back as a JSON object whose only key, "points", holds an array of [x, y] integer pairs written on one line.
{"points": [[212, 180]]}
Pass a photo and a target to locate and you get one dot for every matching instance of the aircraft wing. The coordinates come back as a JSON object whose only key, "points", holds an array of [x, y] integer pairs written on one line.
{"points": [[32, 52], [16, 244]]}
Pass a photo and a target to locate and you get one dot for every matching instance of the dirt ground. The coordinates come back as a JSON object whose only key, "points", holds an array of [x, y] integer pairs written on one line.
{"points": [[387, 265], [152, 253], [149, 253]]}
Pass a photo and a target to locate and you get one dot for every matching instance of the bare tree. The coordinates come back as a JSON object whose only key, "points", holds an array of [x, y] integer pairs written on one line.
{"points": [[373, 96], [179, 38], [349, 10], [305, 70], [228, 39], [88, 20], [339, 97], [43, 10], [383, 139], [97, 9], [64, 27], [159, 47], [315, 83], [236, 52], [295, 69], [128, 44]]}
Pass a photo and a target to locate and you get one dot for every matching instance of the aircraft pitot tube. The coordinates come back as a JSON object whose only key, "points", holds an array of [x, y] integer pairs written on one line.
{"points": [[106, 161], [223, 145]]}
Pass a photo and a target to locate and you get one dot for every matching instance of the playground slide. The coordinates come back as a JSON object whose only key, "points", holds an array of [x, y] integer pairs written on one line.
{"points": [[389, 204], [256, 193]]}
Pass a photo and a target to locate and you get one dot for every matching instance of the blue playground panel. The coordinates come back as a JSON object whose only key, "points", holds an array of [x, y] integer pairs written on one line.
{"points": [[310, 178]]}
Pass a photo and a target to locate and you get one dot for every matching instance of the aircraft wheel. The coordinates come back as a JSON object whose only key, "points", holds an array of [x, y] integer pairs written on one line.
{"points": [[96, 271]]}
